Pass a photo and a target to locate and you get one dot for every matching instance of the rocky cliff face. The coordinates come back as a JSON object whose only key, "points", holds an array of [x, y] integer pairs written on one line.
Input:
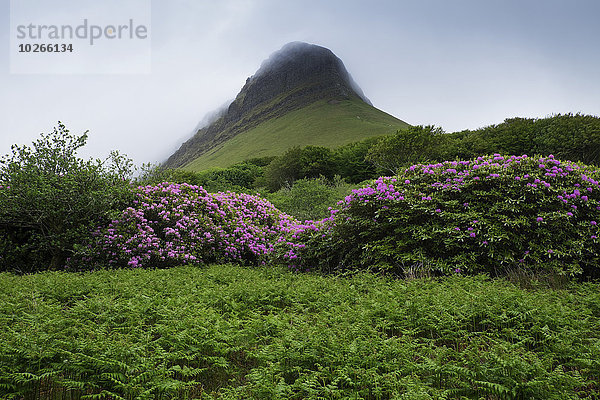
{"points": [[293, 77]]}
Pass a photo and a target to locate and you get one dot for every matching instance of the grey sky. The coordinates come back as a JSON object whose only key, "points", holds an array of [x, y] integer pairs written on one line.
{"points": [[458, 64]]}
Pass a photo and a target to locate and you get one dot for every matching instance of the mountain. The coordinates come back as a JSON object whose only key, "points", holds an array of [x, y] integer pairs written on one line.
{"points": [[301, 95]]}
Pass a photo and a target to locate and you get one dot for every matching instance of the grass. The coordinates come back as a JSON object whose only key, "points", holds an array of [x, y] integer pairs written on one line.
{"points": [[230, 332], [322, 123]]}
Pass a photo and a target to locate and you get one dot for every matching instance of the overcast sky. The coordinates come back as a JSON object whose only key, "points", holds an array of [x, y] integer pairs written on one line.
{"points": [[458, 64]]}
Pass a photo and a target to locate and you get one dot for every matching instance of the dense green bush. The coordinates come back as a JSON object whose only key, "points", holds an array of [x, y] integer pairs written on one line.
{"points": [[490, 214], [238, 177], [50, 199], [568, 136], [310, 199], [283, 170], [415, 144], [298, 163], [572, 137], [316, 161], [352, 163]]}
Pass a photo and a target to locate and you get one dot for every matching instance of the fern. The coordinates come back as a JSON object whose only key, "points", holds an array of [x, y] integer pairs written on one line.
{"points": [[230, 332]]}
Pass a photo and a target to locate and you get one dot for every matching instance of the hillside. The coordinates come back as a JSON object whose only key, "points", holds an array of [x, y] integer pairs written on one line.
{"points": [[323, 123], [301, 95]]}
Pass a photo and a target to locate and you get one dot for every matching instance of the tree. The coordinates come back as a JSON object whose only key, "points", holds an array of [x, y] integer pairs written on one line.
{"points": [[283, 170], [298, 163], [351, 163], [316, 161], [50, 199], [413, 145]]}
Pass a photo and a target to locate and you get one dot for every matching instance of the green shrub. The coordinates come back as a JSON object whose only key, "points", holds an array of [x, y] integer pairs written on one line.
{"points": [[239, 177], [570, 136], [489, 214], [351, 163], [50, 199], [309, 199], [299, 163], [415, 144]]}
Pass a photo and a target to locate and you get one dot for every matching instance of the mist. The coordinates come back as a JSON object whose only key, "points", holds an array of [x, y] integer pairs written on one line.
{"points": [[213, 116]]}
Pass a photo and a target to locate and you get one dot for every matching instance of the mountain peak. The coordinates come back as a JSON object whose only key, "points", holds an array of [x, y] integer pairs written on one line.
{"points": [[297, 75], [298, 63]]}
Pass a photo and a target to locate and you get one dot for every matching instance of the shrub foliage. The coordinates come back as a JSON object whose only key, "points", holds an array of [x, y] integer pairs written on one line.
{"points": [[50, 199], [488, 214], [171, 224], [310, 199]]}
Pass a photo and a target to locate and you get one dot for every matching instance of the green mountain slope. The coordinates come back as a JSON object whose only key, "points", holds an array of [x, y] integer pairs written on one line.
{"points": [[328, 123], [301, 95]]}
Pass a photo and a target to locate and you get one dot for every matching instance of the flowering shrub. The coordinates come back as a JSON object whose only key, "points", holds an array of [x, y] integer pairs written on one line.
{"points": [[485, 215], [172, 224]]}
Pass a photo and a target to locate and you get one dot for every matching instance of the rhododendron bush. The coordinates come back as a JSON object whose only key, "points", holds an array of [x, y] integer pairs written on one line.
{"points": [[173, 224], [490, 214]]}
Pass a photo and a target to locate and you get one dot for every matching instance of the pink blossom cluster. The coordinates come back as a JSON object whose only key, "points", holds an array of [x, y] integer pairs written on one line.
{"points": [[171, 224], [429, 186]]}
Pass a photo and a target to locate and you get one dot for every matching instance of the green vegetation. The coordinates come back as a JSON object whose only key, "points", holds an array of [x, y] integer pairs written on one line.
{"points": [[569, 137], [352, 162], [322, 123], [237, 178], [230, 332], [50, 200], [491, 214], [298, 163], [355, 126], [310, 199], [416, 144]]}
